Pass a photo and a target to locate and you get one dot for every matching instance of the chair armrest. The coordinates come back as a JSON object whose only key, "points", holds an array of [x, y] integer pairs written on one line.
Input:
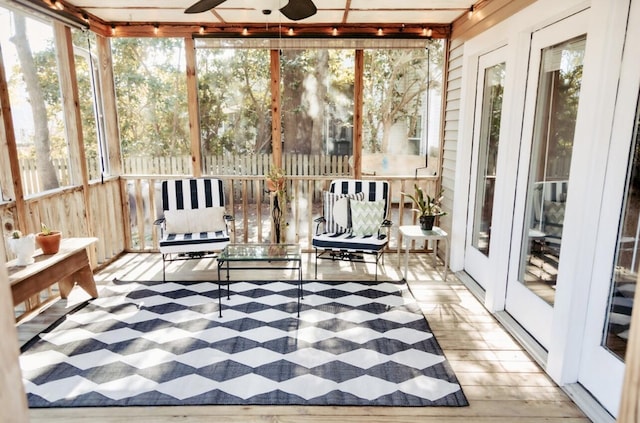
{"points": [[229, 218], [319, 220], [159, 221], [386, 224]]}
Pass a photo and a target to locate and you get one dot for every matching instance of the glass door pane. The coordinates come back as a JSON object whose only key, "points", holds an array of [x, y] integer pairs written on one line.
{"points": [[625, 271], [554, 126], [487, 156]]}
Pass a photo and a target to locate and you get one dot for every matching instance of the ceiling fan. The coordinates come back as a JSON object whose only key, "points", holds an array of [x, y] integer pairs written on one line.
{"points": [[294, 10]]}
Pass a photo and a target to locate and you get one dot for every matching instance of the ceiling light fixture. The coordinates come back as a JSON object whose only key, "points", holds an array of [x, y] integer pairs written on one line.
{"points": [[334, 31], [380, 32]]}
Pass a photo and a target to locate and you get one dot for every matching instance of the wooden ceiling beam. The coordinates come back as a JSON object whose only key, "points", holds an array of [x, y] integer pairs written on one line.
{"points": [[148, 29]]}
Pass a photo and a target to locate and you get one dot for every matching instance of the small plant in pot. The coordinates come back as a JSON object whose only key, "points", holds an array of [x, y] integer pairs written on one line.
{"points": [[48, 240], [427, 207]]}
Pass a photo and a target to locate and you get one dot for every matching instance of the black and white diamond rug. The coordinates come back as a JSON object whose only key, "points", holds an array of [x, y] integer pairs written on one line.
{"points": [[154, 343]]}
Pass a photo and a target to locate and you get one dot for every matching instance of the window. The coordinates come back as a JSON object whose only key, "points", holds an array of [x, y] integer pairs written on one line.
{"points": [[488, 156], [90, 104], [625, 271], [234, 96], [559, 83], [151, 90], [401, 104], [317, 102], [28, 50]]}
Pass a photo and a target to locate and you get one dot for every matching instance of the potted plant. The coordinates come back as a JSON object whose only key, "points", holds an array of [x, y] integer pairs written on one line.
{"points": [[23, 247], [427, 207], [48, 240]]}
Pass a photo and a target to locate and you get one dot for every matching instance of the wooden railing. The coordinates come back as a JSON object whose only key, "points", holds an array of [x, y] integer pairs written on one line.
{"points": [[249, 201]]}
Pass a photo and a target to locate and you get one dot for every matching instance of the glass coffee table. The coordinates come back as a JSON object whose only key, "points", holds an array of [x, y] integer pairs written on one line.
{"points": [[259, 257]]}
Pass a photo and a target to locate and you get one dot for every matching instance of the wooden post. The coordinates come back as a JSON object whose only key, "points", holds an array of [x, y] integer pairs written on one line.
{"points": [[13, 401], [630, 401], [276, 125], [357, 114], [194, 114], [73, 120], [14, 189]]}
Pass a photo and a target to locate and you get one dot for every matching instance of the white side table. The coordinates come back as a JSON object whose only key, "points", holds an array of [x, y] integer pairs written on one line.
{"points": [[414, 233]]}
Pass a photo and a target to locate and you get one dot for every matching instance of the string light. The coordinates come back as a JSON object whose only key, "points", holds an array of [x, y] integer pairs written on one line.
{"points": [[201, 30], [85, 17], [470, 14], [245, 31], [334, 31], [290, 32], [380, 32], [427, 32], [156, 28], [113, 30], [57, 5]]}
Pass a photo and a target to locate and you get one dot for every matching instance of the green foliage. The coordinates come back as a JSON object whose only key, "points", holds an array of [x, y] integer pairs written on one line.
{"points": [[152, 96], [429, 206]]}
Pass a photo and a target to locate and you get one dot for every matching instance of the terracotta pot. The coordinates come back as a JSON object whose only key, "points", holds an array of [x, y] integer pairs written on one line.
{"points": [[50, 244]]}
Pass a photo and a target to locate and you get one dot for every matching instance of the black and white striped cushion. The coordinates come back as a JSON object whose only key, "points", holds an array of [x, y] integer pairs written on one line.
{"points": [[184, 194], [373, 190]]}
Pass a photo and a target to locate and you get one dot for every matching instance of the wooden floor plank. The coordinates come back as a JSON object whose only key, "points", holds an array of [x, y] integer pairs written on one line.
{"points": [[502, 383]]}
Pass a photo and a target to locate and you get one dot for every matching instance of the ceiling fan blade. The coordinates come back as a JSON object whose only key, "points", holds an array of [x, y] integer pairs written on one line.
{"points": [[203, 6], [299, 9]]}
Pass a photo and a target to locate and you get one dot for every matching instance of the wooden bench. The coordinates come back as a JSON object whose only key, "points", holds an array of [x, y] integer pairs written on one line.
{"points": [[67, 267]]}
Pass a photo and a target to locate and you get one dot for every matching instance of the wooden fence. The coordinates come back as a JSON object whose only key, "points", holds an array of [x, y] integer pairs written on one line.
{"points": [[225, 164], [249, 201]]}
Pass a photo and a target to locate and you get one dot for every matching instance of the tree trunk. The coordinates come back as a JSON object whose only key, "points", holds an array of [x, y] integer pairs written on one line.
{"points": [[296, 122], [45, 169], [321, 75]]}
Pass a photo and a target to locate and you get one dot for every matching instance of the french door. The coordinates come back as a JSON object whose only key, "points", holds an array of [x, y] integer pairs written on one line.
{"points": [[484, 166], [542, 191], [616, 267]]}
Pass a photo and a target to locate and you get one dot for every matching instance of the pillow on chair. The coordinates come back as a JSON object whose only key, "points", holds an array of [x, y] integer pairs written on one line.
{"points": [[337, 212], [367, 216], [208, 219]]}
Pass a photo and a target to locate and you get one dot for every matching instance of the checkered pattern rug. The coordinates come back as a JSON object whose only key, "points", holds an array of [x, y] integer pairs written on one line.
{"points": [[153, 343]]}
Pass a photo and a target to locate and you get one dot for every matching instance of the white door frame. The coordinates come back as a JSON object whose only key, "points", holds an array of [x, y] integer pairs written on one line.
{"points": [[600, 372], [477, 264]]}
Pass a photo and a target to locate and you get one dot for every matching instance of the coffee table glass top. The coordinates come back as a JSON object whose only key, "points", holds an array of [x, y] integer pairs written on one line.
{"points": [[260, 252]]}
